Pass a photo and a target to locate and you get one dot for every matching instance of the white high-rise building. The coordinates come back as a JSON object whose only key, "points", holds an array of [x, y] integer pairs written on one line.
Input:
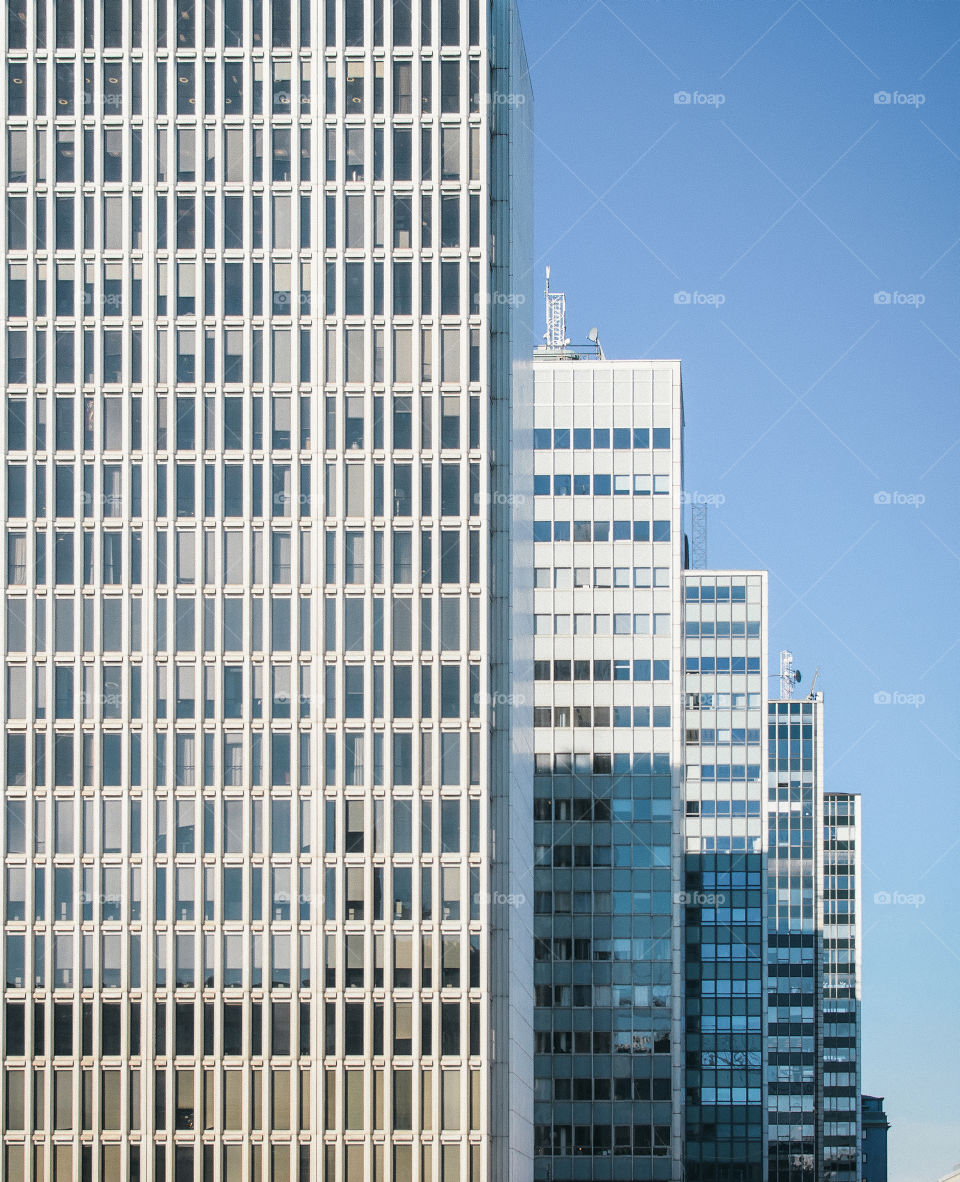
{"points": [[264, 296], [608, 743]]}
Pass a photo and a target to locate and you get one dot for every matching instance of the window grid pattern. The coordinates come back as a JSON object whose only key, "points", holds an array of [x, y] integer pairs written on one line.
{"points": [[842, 885], [246, 510], [794, 919], [725, 627], [607, 684]]}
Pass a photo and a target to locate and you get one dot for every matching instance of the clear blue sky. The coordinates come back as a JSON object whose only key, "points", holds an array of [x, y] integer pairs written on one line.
{"points": [[797, 199]]}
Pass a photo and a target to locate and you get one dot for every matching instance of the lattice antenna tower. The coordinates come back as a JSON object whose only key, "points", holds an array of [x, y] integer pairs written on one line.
{"points": [[556, 334], [788, 675], [698, 537]]}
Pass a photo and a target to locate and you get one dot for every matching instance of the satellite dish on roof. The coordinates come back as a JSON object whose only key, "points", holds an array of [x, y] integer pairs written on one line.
{"points": [[594, 337]]}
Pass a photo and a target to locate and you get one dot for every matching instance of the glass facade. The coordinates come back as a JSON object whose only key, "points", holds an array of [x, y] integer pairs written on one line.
{"points": [[842, 1161], [607, 694], [795, 937], [725, 626], [813, 971], [255, 378]]}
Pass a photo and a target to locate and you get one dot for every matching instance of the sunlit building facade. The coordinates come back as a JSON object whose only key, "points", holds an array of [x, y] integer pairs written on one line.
{"points": [[384, 799], [608, 682], [262, 308]]}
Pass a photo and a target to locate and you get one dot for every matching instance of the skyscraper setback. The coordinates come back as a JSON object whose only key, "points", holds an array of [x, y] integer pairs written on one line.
{"points": [[695, 907], [385, 798]]}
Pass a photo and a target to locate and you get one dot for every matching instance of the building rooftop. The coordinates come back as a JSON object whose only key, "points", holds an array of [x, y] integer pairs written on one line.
{"points": [[871, 1108]]}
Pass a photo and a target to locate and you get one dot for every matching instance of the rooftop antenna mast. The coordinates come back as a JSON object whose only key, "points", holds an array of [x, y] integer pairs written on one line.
{"points": [[556, 334], [788, 675]]}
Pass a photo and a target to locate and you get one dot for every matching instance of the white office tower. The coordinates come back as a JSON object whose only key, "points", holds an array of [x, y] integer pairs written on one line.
{"points": [[608, 705], [261, 311]]}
